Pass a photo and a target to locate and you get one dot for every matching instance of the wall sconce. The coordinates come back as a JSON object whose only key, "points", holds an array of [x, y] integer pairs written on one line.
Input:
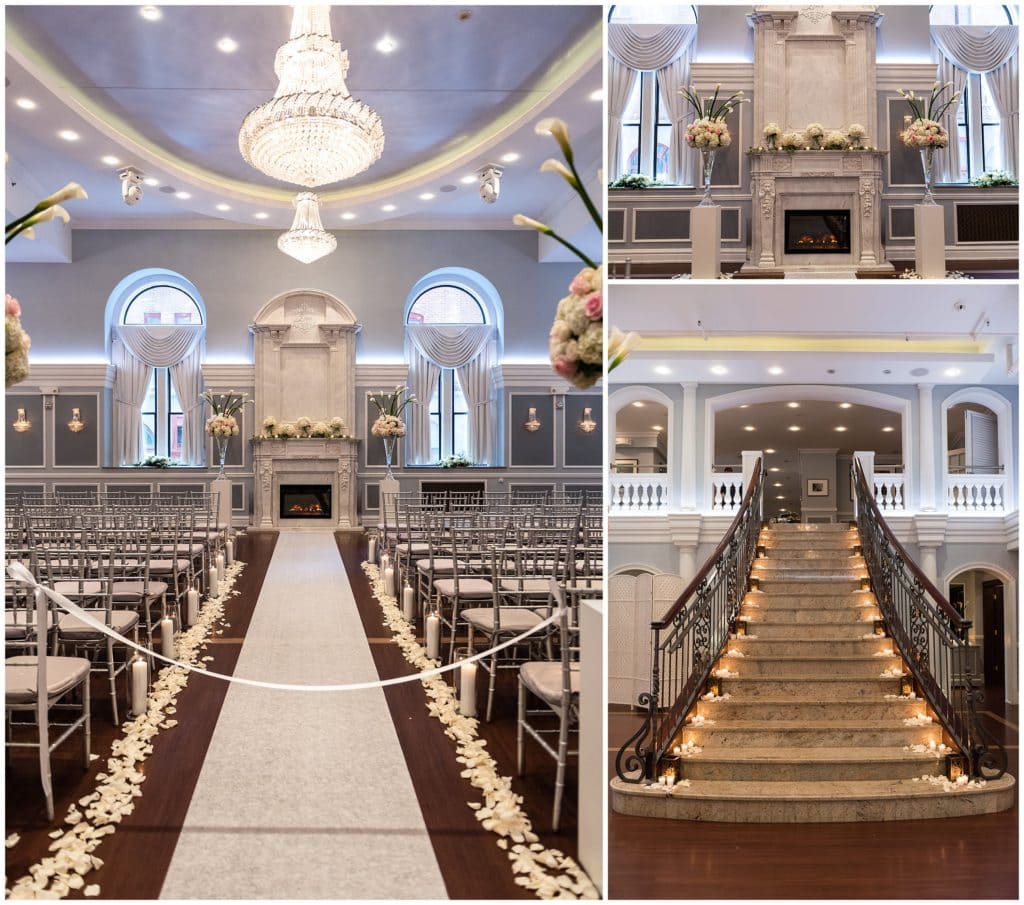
{"points": [[76, 425], [531, 423], [21, 423], [587, 424]]}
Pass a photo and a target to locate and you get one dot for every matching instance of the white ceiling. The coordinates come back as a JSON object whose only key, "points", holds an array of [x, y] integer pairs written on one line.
{"points": [[456, 93], [779, 333]]}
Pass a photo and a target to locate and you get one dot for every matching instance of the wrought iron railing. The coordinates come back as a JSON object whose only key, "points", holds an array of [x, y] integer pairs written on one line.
{"points": [[930, 634], [691, 636]]}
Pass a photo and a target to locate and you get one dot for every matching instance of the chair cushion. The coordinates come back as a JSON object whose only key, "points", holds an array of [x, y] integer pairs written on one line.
{"points": [[167, 565], [133, 590], [540, 585], [122, 622], [16, 623], [62, 673], [468, 587], [416, 548], [441, 564], [513, 619], [544, 679]]}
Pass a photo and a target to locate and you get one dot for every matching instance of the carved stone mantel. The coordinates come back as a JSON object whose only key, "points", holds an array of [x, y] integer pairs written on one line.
{"points": [[815, 180], [313, 461]]}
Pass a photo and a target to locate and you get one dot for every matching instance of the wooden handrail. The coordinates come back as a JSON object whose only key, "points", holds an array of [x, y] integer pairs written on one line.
{"points": [[709, 563], [958, 621]]}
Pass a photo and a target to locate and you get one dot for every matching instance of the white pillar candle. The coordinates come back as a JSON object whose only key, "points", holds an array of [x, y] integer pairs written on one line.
{"points": [[434, 636], [467, 689], [670, 781], [229, 548], [385, 561], [408, 604], [389, 581], [167, 637], [191, 606], [139, 685], [220, 564], [371, 551], [214, 590]]}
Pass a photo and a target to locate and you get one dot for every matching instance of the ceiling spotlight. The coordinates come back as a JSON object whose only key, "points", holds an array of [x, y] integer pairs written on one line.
{"points": [[68, 135], [745, 405], [719, 369], [131, 185], [749, 427], [261, 215], [490, 182], [661, 369], [777, 484], [227, 45], [794, 427], [151, 182], [110, 160], [840, 428], [182, 196], [26, 103], [427, 196], [952, 372], [775, 370], [223, 207], [638, 405], [769, 451], [793, 405], [348, 215], [468, 180], [386, 44], [846, 405], [775, 469], [780, 497], [597, 95], [888, 429], [657, 427], [387, 208], [510, 157], [151, 13]]}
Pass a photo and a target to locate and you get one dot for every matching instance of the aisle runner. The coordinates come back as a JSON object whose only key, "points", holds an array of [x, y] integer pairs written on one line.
{"points": [[304, 796]]}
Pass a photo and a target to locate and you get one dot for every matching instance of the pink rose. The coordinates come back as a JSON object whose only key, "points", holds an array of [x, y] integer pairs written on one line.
{"points": [[593, 306], [583, 282], [13, 308], [565, 366]]}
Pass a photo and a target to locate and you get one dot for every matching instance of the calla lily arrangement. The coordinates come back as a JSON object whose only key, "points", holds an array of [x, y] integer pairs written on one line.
{"points": [[619, 346], [47, 209], [393, 403], [712, 108], [936, 105], [229, 403]]}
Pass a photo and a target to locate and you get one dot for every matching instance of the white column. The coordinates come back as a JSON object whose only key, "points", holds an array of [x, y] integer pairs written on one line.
{"points": [[687, 562], [750, 457], [926, 445], [929, 562], [867, 464], [688, 450]]}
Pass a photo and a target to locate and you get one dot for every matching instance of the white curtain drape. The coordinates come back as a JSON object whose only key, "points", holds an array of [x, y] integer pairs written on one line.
{"points": [[649, 52], [131, 378], [948, 158], [468, 350], [160, 347], [621, 80], [1004, 83], [671, 78], [976, 48], [187, 380]]}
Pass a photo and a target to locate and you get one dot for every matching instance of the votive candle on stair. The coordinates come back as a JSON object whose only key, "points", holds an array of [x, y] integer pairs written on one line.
{"points": [[467, 689], [191, 606], [408, 604], [229, 551], [139, 685], [214, 582], [434, 636], [371, 550], [389, 581], [167, 637]]}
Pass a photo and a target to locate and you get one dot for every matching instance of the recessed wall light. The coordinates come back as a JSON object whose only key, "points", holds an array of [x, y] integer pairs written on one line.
{"points": [[427, 196], [597, 95], [510, 157], [775, 370], [150, 181], [839, 428], [348, 215], [793, 405], [749, 427], [26, 103], [661, 369], [468, 179], [719, 369], [227, 45], [638, 405], [261, 215], [151, 13], [846, 405], [68, 135], [794, 427], [223, 207], [386, 44], [387, 208], [952, 372], [110, 160]]}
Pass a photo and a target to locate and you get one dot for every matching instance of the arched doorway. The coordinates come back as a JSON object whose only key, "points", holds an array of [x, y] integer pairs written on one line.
{"points": [[640, 450], [977, 451]]}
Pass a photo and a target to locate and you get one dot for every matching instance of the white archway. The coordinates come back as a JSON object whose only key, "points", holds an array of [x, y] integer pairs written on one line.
{"points": [[1003, 410], [812, 393], [619, 399], [1009, 617]]}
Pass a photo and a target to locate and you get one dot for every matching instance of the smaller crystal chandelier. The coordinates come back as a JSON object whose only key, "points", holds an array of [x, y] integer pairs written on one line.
{"points": [[21, 423], [587, 423], [307, 240]]}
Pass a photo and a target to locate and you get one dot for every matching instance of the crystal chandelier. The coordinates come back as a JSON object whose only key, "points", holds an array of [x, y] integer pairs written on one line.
{"points": [[307, 240], [313, 132]]}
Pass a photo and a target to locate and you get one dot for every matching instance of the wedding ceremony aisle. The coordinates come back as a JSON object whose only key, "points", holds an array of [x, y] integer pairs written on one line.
{"points": [[260, 793]]}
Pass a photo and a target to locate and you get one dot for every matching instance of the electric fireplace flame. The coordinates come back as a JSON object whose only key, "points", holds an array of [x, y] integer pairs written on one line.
{"points": [[311, 509], [305, 501], [817, 232]]}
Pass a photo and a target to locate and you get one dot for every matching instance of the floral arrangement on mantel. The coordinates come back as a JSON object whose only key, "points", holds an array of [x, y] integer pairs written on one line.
{"points": [[814, 137], [576, 341], [303, 428], [16, 340], [993, 179], [456, 462]]}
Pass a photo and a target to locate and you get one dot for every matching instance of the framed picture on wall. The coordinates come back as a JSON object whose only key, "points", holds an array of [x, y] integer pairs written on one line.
{"points": [[625, 466], [817, 487]]}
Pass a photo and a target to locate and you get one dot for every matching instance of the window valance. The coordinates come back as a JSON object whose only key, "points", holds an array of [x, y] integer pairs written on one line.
{"points": [[159, 346], [654, 52], [976, 48]]}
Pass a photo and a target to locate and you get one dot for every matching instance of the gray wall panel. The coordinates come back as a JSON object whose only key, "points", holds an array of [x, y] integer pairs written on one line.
{"points": [[70, 449], [535, 448], [583, 449], [26, 448]]}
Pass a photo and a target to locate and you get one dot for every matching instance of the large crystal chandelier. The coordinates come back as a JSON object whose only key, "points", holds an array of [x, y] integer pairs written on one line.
{"points": [[307, 240], [313, 132]]}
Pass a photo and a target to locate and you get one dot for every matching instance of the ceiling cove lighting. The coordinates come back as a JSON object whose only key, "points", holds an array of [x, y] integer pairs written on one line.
{"points": [[307, 240], [312, 132]]}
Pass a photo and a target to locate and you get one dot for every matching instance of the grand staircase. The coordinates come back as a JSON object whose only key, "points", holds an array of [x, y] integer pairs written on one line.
{"points": [[807, 718]]}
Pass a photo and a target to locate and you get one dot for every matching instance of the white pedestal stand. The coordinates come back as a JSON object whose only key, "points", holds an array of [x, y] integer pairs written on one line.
{"points": [[930, 241], [222, 487], [706, 242]]}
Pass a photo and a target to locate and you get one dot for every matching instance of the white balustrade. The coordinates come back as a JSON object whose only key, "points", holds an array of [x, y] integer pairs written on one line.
{"points": [[725, 492], [975, 493], [889, 491], [640, 494]]}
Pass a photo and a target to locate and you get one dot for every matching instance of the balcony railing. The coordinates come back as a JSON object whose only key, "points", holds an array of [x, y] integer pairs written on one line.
{"points": [[969, 494], [638, 494], [890, 491], [725, 491]]}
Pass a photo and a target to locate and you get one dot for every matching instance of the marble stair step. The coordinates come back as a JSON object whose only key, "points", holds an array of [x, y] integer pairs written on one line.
{"points": [[778, 615], [811, 601], [823, 687], [802, 647], [847, 667], [831, 528], [788, 710], [810, 585], [770, 630], [808, 734], [826, 801], [815, 554]]}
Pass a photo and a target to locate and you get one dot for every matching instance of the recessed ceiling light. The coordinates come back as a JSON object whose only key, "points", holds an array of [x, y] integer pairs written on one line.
{"points": [[775, 469], [227, 45], [348, 215], [597, 95], [780, 497], [657, 427], [840, 428], [769, 451], [151, 13], [775, 370], [952, 372], [387, 208], [749, 427], [510, 157], [183, 196], [888, 429], [386, 44], [846, 405], [638, 405], [745, 405], [468, 180], [793, 405], [26, 103], [661, 369], [719, 369], [68, 135], [794, 427], [223, 207], [150, 181], [427, 196], [261, 215], [777, 484], [110, 160]]}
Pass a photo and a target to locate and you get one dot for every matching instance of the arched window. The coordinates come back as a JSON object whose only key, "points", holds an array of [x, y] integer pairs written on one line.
{"points": [[156, 328], [453, 337], [653, 14], [972, 14]]}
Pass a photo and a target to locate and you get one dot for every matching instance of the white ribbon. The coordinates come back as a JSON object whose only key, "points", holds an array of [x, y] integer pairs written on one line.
{"points": [[19, 573]]}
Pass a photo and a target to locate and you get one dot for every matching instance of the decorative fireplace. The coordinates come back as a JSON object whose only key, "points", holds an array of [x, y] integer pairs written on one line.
{"points": [[817, 232], [305, 501]]}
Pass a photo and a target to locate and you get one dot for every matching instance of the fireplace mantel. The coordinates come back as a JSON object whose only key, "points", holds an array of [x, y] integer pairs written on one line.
{"points": [[815, 180]]}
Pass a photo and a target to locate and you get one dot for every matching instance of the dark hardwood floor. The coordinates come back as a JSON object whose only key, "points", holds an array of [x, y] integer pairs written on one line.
{"points": [[137, 856], [471, 862], [961, 858]]}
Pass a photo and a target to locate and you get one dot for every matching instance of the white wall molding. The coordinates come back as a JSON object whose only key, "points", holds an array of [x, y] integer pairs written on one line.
{"points": [[909, 76], [66, 376]]}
